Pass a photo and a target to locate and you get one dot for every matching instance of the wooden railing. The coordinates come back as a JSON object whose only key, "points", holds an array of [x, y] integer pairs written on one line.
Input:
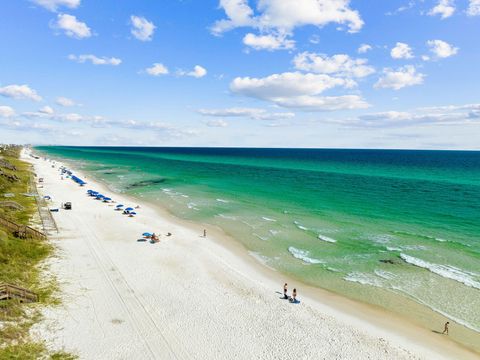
{"points": [[8, 291], [22, 231], [48, 222]]}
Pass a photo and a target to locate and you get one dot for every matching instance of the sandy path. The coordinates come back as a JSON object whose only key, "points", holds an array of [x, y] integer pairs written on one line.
{"points": [[184, 298]]}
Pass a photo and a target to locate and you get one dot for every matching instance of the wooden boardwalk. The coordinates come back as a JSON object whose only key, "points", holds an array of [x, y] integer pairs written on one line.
{"points": [[21, 231], [9, 292]]}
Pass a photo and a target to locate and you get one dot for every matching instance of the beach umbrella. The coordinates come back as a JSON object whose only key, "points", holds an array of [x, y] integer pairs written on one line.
{"points": [[146, 234], [106, 199], [132, 213], [129, 209], [119, 205]]}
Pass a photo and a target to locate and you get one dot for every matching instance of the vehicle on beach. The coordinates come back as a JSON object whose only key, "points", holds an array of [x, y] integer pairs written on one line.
{"points": [[67, 206]]}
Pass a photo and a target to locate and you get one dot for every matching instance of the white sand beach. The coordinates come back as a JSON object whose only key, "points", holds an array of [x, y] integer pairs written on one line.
{"points": [[190, 297]]}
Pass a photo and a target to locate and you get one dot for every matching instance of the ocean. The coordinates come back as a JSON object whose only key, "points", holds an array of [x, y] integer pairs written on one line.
{"points": [[380, 226]]}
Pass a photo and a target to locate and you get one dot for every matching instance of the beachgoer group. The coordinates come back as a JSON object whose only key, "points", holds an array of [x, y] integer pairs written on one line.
{"points": [[293, 298]]}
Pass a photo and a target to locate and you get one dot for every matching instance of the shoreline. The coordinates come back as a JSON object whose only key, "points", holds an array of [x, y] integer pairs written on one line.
{"points": [[373, 321]]}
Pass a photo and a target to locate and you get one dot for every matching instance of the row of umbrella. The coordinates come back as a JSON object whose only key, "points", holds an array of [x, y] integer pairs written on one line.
{"points": [[128, 210], [73, 177]]}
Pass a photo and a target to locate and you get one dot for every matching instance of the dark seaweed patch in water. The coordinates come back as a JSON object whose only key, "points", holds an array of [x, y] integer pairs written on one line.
{"points": [[146, 183]]}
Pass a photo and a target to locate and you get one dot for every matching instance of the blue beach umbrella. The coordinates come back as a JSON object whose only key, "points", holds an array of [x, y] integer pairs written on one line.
{"points": [[129, 209], [119, 206], [146, 234], [132, 213]]}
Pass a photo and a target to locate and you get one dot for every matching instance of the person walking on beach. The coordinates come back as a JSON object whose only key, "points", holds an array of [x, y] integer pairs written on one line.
{"points": [[294, 296], [285, 296], [445, 330], [204, 233]]}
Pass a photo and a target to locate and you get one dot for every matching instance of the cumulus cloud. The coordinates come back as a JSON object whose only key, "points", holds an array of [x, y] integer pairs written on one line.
{"points": [[142, 29], [276, 19], [46, 110], [400, 78], [401, 51], [95, 60], [441, 49], [444, 8], [157, 69], [341, 64], [53, 5], [364, 48], [268, 42], [72, 27], [197, 72], [252, 113], [20, 92], [473, 8], [63, 101], [298, 90], [6, 111], [216, 123]]}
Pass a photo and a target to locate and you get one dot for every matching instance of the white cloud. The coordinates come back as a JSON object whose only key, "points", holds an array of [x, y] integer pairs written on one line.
{"points": [[444, 8], [252, 113], [268, 42], [157, 69], [277, 19], [95, 59], [20, 92], [364, 48], [72, 27], [400, 78], [444, 115], [6, 111], [297, 90], [197, 72], [53, 5], [473, 8], [401, 51], [46, 110], [441, 49], [142, 29], [63, 101], [340, 64], [216, 123], [238, 13]]}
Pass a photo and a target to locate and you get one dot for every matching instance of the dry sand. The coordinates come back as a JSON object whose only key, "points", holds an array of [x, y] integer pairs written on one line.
{"points": [[190, 297]]}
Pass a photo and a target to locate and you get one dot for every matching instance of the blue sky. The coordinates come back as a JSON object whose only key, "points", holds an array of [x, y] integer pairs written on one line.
{"points": [[266, 73]]}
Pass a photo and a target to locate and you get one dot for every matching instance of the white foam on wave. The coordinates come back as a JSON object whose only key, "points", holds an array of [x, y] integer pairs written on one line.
{"points": [[273, 232], [363, 278], [304, 255], [223, 201], [301, 227], [393, 248], [192, 205], [387, 275], [228, 217], [446, 271], [326, 238], [264, 238], [268, 219]]}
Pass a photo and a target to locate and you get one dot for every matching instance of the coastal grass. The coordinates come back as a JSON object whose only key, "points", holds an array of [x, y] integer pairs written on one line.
{"points": [[21, 263]]}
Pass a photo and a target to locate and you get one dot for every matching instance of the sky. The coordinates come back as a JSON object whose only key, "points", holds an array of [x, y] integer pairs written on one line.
{"points": [[400, 74]]}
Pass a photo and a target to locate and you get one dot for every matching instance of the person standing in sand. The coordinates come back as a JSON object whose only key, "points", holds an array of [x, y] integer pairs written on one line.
{"points": [[285, 296], [445, 329], [204, 233]]}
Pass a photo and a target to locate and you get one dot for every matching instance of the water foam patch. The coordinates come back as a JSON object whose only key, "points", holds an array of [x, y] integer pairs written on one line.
{"points": [[446, 271], [326, 238], [304, 255]]}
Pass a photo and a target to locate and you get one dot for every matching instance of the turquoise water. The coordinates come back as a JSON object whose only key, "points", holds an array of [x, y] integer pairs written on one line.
{"points": [[374, 225]]}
